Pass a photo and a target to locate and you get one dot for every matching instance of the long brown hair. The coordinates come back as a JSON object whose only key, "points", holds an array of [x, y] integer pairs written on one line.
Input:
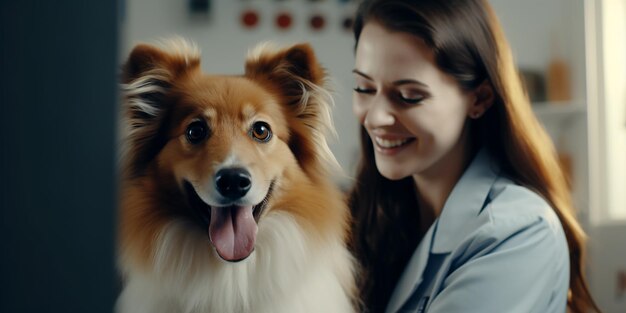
{"points": [[469, 44]]}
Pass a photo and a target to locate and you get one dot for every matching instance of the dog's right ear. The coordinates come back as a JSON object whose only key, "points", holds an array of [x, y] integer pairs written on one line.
{"points": [[179, 56], [142, 59], [147, 79], [150, 71]]}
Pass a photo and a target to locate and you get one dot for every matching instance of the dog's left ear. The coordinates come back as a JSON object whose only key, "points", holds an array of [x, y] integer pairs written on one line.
{"points": [[300, 82], [292, 71]]}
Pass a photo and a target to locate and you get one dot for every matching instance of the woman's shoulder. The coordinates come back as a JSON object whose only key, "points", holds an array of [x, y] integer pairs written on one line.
{"points": [[516, 223], [512, 210], [514, 251], [509, 201]]}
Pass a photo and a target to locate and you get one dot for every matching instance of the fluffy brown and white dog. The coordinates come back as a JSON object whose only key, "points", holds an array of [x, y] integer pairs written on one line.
{"points": [[227, 202]]}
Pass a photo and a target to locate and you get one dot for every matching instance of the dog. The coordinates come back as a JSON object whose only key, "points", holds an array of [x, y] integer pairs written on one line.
{"points": [[227, 202]]}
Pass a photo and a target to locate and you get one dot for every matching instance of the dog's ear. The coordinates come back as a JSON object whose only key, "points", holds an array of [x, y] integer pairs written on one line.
{"points": [[147, 79], [292, 70], [179, 55], [299, 81], [142, 59]]}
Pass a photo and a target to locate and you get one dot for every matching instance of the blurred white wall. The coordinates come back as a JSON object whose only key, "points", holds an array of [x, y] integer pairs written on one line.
{"points": [[614, 78], [607, 263], [608, 235]]}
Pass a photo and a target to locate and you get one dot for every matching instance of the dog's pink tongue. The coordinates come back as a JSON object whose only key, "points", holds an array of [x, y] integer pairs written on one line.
{"points": [[233, 231]]}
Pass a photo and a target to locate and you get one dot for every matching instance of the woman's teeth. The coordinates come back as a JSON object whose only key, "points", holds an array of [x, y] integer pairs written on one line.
{"points": [[387, 144]]}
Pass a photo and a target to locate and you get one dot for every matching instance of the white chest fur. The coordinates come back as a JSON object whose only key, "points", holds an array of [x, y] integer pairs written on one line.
{"points": [[288, 272]]}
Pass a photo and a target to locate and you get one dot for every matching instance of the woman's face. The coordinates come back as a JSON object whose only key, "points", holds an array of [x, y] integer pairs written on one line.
{"points": [[415, 114]]}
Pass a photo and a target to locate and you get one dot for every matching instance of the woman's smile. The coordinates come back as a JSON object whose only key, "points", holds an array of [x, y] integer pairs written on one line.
{"points": [[391, 145]]}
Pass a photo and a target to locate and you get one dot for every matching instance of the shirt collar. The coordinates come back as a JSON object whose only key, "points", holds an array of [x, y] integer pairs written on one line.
{"points": [[412, 275], [466, 201]]}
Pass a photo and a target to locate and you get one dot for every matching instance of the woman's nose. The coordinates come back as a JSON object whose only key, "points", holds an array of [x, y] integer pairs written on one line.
{"points": [[379, 114]]}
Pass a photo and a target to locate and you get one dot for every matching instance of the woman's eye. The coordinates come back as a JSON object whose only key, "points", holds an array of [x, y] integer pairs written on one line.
{"points": [[261, 132], [411, 99], [365, 90], [197, 132]]}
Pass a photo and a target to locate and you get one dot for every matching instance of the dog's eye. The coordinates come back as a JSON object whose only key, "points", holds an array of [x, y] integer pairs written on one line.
{"points": [[196, 132], [261, 131]]}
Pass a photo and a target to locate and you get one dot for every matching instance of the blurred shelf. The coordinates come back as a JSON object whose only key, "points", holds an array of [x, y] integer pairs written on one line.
{"points": [[559, 110]]}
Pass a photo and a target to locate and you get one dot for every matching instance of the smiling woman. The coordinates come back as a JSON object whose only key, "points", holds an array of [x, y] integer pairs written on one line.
{"points": [[414, 112], [459, 205]]}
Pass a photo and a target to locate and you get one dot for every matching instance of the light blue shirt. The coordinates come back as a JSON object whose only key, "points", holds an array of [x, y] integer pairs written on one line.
{"points": [[496, 247]]}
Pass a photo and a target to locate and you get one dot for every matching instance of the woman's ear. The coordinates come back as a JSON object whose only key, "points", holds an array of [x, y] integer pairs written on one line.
{"points": [[483, 99]]}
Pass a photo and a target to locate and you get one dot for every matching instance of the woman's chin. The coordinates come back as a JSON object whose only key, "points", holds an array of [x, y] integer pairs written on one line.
{"points": [[392, 172]]}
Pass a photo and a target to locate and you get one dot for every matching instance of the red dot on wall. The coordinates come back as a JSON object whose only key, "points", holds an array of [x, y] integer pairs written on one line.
{"points": [[283, 20], [249, 18], [317, 22]]}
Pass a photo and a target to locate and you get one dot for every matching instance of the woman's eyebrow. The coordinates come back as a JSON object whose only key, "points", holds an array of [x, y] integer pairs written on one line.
{"points": [[395, 83], [355, 71], [409, 81]]}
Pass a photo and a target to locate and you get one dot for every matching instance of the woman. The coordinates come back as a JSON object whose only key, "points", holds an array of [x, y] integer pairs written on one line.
{"points": [[460, 205]]}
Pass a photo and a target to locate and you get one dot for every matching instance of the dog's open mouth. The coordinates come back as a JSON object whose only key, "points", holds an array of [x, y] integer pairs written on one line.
{"points": [[231, 229]]}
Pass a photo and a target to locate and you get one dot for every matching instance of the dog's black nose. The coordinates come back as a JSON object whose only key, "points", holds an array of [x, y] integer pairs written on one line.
{"points": [[233, 183]]}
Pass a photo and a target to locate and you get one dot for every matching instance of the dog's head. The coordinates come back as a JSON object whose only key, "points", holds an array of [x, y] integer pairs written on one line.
{"points": [[217, 147]]}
